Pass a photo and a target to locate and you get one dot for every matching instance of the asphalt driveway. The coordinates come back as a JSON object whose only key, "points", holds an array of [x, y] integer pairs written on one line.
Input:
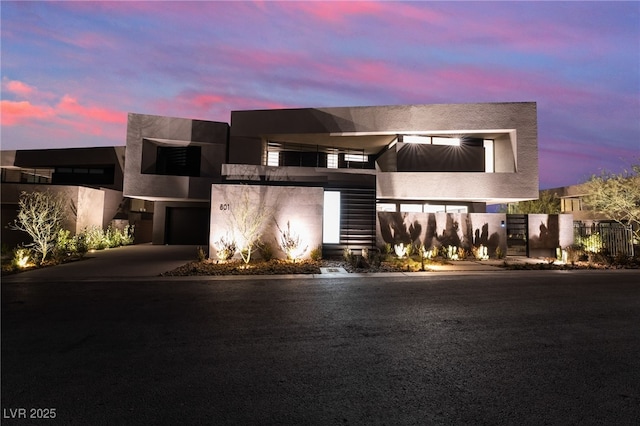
{"points": [[135, 261]]}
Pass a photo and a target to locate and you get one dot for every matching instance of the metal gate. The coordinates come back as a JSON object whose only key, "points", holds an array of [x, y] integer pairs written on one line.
{"points": [[517, 235]]}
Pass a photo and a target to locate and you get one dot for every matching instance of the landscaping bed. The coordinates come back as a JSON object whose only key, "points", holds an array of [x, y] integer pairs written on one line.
{"points": [[633, 263], [274, 267]]}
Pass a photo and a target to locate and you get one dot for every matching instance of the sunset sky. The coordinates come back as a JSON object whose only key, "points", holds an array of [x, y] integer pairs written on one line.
{"points": [[72, 70]]}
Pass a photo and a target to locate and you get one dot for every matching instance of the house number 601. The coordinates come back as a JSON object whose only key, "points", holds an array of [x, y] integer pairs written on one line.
{"points": [[224, 207]]}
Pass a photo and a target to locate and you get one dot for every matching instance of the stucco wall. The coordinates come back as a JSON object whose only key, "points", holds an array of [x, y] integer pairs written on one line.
{"points": [[90, 205], [112, 201], [548, 232], [210, 136], [300, 206], [435, 230], [84, 208]]}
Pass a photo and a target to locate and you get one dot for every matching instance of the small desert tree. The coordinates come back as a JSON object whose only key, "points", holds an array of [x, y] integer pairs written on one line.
{"points": [[617, 196], [249, 217], [40, 214], [547, 203]]}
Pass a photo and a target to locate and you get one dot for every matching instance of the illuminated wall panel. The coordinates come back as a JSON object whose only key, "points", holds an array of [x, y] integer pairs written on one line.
{"points": [[301, 207], [331, 218]]}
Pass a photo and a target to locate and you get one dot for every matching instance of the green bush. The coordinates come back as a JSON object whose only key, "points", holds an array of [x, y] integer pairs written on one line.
{"points": [[64, 245], [97, 238], [316, 254], [590, 243], [69, 246], [81, 245]]}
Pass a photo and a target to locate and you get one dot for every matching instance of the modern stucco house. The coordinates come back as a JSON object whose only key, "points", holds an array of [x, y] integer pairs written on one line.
{"points": [[345, 177]]}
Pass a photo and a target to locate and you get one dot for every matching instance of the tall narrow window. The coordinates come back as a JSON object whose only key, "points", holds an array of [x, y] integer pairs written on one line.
{"points": [[331, 218], [273, 158], [488, 156], [332, 161]]}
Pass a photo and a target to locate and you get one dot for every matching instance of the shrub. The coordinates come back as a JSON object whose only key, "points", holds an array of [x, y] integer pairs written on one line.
{"points": [[480, 253], [81, 245], [575, 254], [410, 249], [400, 250], [226, 248], [115, 237], [21, 258], [427, 254], [450, 252], [462, 253], [347, 255], [374, 258], [201, 254], [64, 245], [69, 246], [95, 238], [290, 243], [316, 254], [590, 243], [621, 259]]}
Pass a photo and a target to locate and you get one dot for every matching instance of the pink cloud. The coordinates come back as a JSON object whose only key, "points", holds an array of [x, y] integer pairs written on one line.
{"points": [[210, 106], [335, 11], [421, 12], [70, 106], [206, 101], [18, 112], [68, 112], [17, 87]]}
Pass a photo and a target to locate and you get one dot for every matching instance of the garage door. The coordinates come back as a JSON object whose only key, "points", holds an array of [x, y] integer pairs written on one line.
{"points": [[187, 226]]}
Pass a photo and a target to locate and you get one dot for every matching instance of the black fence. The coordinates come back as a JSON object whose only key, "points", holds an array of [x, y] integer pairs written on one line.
{"points": [[611, 238]]}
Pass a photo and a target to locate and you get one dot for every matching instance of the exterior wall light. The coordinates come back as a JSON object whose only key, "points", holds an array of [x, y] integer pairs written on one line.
{"points": [[446, 141], [426, 140]]}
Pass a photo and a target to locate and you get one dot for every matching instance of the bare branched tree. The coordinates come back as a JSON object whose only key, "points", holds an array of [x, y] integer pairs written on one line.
{"points": [[617, 196], [40, 215], [249, 217]]}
